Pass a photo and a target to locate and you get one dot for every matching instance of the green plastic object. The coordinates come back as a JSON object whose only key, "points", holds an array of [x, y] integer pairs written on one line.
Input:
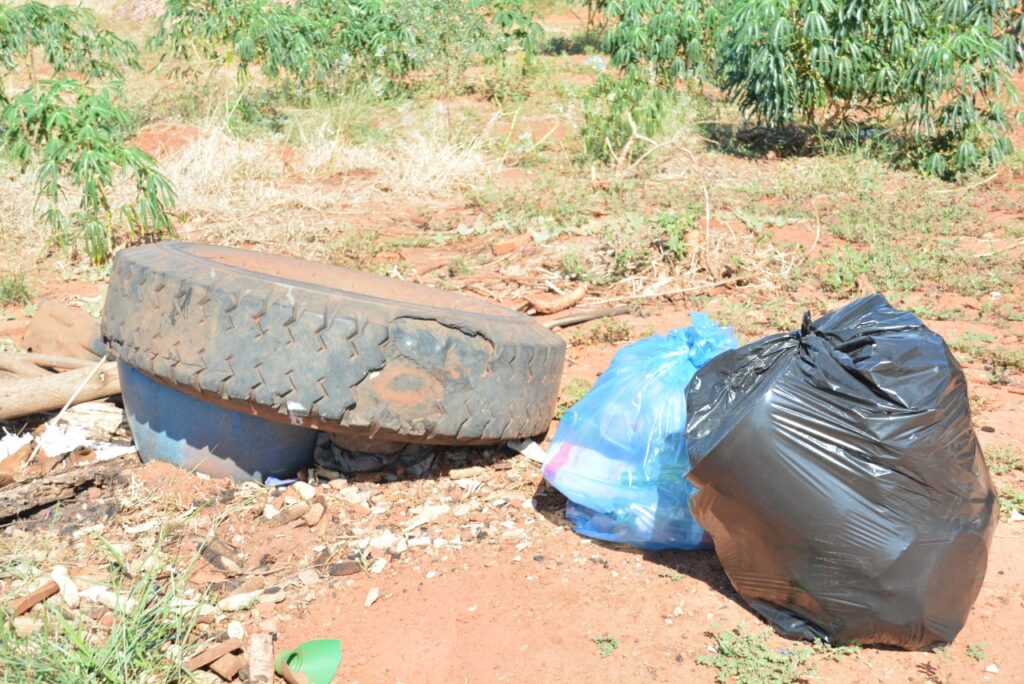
{"points": [[311, 662]]}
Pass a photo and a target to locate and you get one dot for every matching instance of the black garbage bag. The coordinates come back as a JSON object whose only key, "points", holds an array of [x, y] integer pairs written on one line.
{"points": [[841, 480]]}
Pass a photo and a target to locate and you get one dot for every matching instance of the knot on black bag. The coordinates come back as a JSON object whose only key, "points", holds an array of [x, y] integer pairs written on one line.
{"points": [[805, 327]]}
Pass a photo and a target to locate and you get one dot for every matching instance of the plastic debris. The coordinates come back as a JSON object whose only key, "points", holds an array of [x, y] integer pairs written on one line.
{"points": [[841, 479], [311, 662], [619, 454]]}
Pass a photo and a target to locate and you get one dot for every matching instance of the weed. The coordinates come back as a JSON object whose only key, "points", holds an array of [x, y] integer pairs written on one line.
{"points": [[574, 268], [979, 347], [674, 229], [75, 132], [458, 266], [606, 331], [356, 249], [746, 658], [1004, 458], [14, 290], [149, 638], [606, 644], [1011, 500], [976, 650], [575, 390], [630, 260]]}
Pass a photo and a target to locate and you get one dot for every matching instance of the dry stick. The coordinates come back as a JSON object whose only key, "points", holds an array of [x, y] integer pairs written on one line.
{"points": [[7, 359], [967, 188], [669, 293], [1012, 246], [584, 316], [67, 404]]}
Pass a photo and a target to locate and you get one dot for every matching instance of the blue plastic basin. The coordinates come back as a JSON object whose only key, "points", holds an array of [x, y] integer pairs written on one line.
{"points": [[172, 426]]}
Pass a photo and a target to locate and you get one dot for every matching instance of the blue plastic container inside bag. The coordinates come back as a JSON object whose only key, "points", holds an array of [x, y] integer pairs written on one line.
{"points": [[619, 454]]}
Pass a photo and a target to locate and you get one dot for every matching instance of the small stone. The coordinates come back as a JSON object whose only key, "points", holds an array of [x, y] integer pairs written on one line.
{"points": [[316, 512], [1016, 516], [478, 516], [677, 611], [438, 543], [379, 565], [993, 669], [274, 594], [338, 484], [462, 510], [269, 512], [266, 610], [512, 244], [269, 626], [239, 601], [371, 597], [426, 514], [472, 609], [383, 541], [401, 547], [236, 630], [107, 620], [309, 577], [461, 473], [68, 590], [344, 568], [25, 626], [305, 490], [431, 574], [420, 541]]}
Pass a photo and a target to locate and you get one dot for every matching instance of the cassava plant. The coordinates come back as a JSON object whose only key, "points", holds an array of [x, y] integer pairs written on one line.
{"points": [[75, 132], [937, 71], [311, 43], [653, 44], [934, 73], [325, 44]]}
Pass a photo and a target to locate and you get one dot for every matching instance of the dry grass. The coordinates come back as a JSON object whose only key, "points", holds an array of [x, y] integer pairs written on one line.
{"points": [[19, 230], [260, 192]]}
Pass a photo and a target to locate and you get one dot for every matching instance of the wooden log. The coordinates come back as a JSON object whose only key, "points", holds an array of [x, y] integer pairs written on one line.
{"points": [[13, 360], [26, 602], [25, 396], [212, 653], [261, 659], [227, 666], [42, 491]]}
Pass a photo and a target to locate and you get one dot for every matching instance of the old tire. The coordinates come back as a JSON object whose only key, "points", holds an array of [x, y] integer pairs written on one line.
{"points": [[329, 348]]}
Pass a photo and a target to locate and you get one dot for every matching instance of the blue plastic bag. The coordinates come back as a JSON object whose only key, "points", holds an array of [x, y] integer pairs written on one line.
{"points": [[619, 454]]}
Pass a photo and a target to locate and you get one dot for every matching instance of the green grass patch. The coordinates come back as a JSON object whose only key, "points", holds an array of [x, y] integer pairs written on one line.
{"points": [[1011, 500], [14, 290], [606, 644], [150, 638], [1004, 459], [976, 650], [981, 348], [606, 331], [575, 390], [746, 658]]}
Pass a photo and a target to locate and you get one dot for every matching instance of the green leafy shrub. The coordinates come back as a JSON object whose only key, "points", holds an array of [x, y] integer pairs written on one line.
{"points": [[936, 74], [75, 132], [617, 111], [68, 39], [309, 42], [653, 44], [936, 70], [14, 290], [324, 45]]}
